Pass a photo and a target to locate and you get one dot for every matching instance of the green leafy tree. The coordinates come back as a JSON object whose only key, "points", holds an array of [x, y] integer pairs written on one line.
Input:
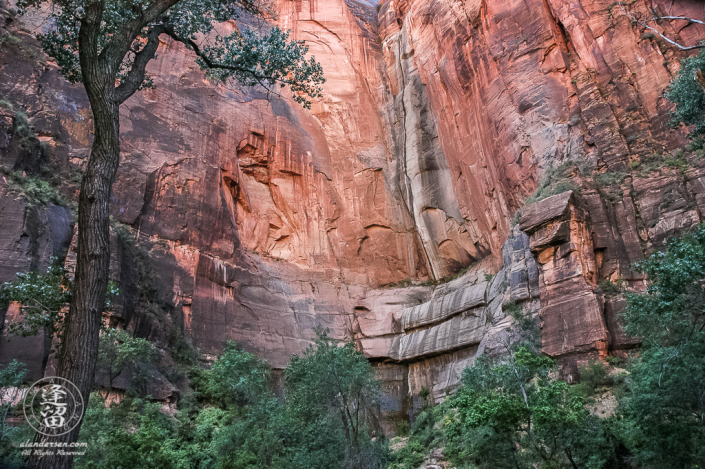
{"points": [[42, 298], [236, 423], [238, 377], [12, 378], [255, 431], [119, 351], [687, 93], [330, 378], [144, 440], [664, 407], [512, 414], [106, 45]]}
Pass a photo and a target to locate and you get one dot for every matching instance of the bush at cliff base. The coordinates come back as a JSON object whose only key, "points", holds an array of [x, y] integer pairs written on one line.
{"points": [[232, 419], [664, 408]]}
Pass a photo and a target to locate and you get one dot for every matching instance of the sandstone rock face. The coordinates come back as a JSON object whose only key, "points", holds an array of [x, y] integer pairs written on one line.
{"points": [[560, 240], [261, 220]]}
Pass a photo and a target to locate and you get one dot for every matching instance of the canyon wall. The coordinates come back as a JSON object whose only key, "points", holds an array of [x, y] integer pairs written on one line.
{"points": [[254, 220]]}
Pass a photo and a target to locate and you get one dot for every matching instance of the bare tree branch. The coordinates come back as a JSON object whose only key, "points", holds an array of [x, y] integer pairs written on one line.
{"points": [[644, 23], [169, 31], [677, 18]]}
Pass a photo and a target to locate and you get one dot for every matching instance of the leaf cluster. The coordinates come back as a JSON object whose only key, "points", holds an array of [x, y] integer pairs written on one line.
{"points": [[673, 307], [663, 407], [336, 381], [513, 414], [12, 378], [42, 298], [231, 419], [556, 180], [118, 350], [688, 95], [121, 36]]}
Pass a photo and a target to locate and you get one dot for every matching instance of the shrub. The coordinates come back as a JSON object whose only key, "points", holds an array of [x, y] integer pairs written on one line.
{"points": [[663, 406], [592, 376], [38, 191], [688, 95], [609, 179], [610, 288], [557, 180], [402, 428]]}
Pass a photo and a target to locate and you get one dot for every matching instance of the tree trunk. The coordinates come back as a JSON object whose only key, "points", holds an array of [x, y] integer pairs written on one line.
{"points": [[79, 343]]}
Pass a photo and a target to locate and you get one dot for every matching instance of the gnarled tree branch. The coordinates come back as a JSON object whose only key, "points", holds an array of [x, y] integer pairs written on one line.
{"points": [[644, 24], [135, 76]]}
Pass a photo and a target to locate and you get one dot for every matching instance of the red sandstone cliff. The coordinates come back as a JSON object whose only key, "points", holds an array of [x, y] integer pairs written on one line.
{"points": [[263, 220]]}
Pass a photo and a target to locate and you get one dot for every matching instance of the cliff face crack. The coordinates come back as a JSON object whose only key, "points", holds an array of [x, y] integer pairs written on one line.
{"points": [[323, 26]]}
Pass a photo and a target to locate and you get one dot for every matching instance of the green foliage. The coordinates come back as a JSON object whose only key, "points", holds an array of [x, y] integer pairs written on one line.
{"points": [[592, 375], [512, 411], [410, 456], [663, 407], [238, 377], [37, 190], [424, 394], [610, 288], [513, 414], [144, 438], [332, 380], [671, 310], [9, 39], [127, 27], [524, 324], [688, 95], [557, 180], [657, 162], [11, 381], [610, 184], [614, 361], [425, 436], [609, 179], [512, 308], [402, 428], [231, 419], [42, 297], [118, 350]]}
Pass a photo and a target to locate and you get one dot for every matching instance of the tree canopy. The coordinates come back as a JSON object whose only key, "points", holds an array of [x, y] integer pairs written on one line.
{"points": [[328, 379], [687, 93], [106, 45], [664, 407], [126, 36]]}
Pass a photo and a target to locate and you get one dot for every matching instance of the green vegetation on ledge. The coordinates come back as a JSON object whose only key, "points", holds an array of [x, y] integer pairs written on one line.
{"points": [[514, 411]]}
